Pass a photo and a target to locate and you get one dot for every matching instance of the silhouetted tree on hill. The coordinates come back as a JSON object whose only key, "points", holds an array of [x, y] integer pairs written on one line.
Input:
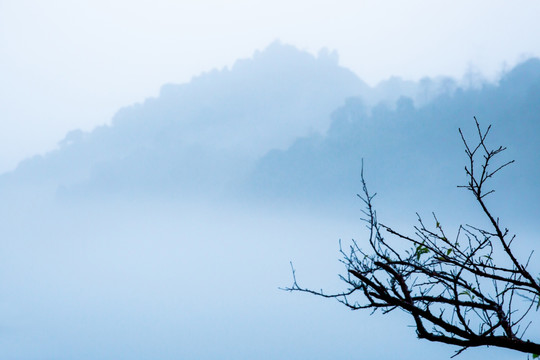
{"points": [[470, 290]]}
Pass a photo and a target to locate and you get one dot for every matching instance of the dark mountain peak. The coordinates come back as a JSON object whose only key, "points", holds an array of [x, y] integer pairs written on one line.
{"points": [[525, 73], [522, 85]]}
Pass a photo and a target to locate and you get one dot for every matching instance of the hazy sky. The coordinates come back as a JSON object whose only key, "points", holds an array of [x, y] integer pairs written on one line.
{"points": [[69, 64]]}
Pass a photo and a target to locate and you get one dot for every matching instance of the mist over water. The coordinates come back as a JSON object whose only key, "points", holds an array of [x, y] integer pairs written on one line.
{"points": [[143, 279]]}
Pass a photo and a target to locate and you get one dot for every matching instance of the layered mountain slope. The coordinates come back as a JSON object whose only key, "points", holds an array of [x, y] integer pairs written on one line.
{"points": [[204, 133], [414, 155], [263, 129]]}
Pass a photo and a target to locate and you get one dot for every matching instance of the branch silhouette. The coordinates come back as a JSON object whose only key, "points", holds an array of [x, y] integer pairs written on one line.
{"points": [[454, 290]]}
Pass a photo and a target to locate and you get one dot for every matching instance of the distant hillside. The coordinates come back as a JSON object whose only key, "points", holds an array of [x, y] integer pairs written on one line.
{"points": [[201, 134], [288, 126], [414, 155]]}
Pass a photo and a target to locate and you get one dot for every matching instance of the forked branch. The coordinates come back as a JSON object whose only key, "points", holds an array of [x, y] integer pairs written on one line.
{"points": [[454, 290]]}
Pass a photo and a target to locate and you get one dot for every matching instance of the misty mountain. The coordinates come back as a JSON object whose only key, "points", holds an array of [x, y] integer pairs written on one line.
{"points": [[288, 126], [413, 155], [204, 132]]}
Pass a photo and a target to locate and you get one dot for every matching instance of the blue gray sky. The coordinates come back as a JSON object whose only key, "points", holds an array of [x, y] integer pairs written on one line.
{"points": [[72, 64]]}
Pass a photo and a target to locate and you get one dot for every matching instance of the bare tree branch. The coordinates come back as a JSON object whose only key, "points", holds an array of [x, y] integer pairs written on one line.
{"points": [[453, 289]]}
